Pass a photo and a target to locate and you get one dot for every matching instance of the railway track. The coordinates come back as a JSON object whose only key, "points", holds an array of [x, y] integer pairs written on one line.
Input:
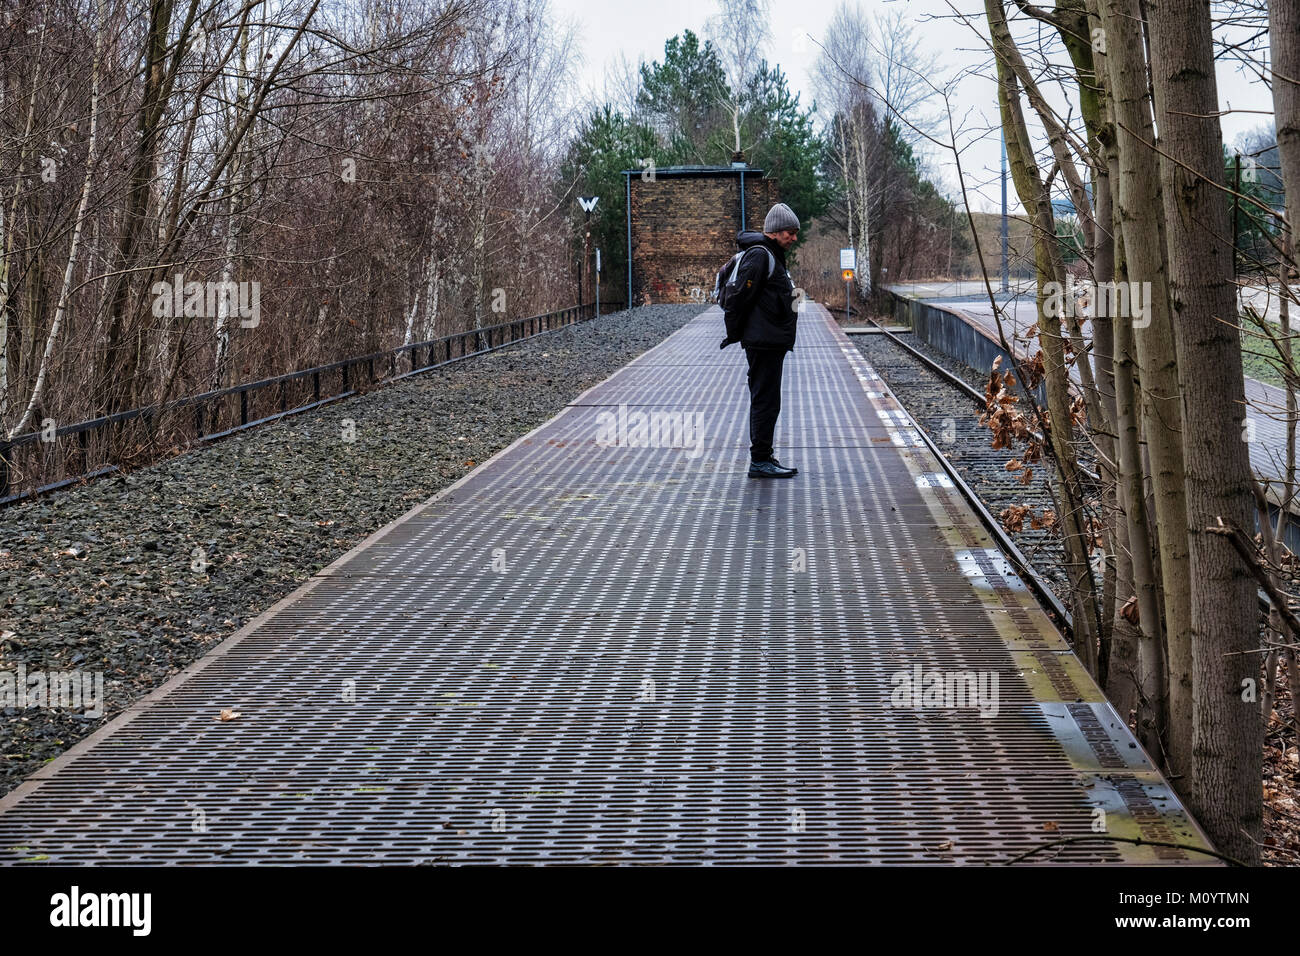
{"points": [[945, 399], [917, 375]]}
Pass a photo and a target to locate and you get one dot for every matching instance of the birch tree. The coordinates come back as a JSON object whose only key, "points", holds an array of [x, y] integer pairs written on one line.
{"points": [[740, 34], [843, 78], [79, 222]]}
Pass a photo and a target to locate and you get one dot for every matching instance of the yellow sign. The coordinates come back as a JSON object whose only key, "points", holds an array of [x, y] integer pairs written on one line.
{"points": [[848, 275]]}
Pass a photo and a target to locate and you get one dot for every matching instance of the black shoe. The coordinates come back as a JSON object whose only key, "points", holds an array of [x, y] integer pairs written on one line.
{"points": [[769, 469], [773, 460]]}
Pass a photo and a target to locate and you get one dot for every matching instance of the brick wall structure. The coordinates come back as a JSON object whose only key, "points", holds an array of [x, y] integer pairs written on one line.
{"points": [[683, 226]]}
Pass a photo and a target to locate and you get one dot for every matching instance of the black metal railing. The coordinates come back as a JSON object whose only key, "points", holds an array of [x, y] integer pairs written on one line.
{"points": [[257, 403]]}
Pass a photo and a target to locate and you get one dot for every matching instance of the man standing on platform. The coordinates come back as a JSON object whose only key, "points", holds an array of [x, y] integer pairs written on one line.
{"points": [[762, 317]]}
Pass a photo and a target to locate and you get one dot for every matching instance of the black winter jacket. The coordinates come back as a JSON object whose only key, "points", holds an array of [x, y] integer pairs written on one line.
{"points": [[763, 314]]}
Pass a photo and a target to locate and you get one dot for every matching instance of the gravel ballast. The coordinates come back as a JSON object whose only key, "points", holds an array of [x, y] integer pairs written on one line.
{"points": [[136, 576], [951, 419]]}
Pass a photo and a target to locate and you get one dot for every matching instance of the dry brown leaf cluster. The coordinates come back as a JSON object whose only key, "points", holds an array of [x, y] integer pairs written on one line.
{"points": [[1003, 417], [1013, 518]]}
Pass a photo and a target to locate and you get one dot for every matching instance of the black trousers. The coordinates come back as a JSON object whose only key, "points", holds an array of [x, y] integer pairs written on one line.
{"points": [[765, 366]]}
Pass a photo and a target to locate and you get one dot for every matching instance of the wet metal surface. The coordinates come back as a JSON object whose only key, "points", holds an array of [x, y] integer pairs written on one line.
{"points": [[588, 652]]}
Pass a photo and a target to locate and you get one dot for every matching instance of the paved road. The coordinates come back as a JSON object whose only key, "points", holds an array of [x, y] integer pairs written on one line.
{"points": [[1266, 410]]}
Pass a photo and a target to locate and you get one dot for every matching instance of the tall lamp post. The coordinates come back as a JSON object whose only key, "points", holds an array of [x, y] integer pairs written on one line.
{"points": [[588, 204]]}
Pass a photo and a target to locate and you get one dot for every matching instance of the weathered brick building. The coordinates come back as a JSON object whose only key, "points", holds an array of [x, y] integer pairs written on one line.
{"points": [[682, 226]]}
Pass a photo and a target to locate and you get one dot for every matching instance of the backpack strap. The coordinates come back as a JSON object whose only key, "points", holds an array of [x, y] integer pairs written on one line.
{"points": [[771, 262]]}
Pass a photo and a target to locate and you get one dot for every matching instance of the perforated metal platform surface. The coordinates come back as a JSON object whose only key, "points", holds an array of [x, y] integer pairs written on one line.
{"points": [[596, 653]]}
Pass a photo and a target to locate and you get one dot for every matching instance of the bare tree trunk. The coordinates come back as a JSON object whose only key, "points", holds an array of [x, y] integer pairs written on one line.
{"points": [[740, 32], [846, 81], [1129, 522], [1284, 43], [5, 241], [1141, 220], [1101, 140], [1058, 141], [431, 295], [120, 357], [408, 334], [1033, 195], [221, 327], [1284, 47], [1151, 668], [1227, 742], [1130, 642], [10, 234], [848, 188], [480, 253], [860, 133], [79, 223], [1284, 308], [1277, 632]]}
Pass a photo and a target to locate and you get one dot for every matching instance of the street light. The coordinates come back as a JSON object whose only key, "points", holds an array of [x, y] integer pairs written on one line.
{"points": [[588, 204]]}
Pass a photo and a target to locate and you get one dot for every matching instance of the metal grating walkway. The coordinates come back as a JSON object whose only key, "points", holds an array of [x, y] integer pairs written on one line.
{"points": [[591, 654]]}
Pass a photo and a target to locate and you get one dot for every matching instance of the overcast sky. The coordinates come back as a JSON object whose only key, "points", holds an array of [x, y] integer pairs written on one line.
{"points": [[606, 30]]}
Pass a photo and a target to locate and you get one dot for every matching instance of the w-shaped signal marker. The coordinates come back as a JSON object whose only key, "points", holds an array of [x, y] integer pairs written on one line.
{"points": [[588, 203]]}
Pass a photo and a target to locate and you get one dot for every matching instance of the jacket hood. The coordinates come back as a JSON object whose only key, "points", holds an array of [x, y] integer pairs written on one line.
{"points": [[749, 238]]}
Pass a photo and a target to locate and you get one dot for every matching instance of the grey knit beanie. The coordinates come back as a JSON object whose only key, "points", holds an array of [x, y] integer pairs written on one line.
{"points": [[780, 217]]}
